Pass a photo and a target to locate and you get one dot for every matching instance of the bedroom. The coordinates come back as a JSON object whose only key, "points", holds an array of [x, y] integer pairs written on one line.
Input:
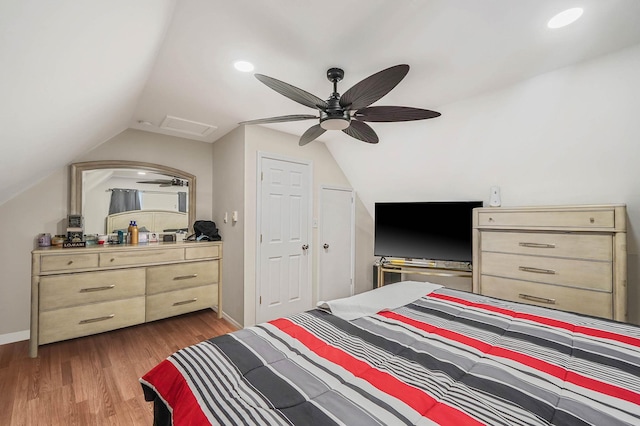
{"points": [[568, 135]]}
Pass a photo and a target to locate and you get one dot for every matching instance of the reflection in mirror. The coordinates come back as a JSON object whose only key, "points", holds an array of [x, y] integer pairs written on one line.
{"points": [[110, 194]]}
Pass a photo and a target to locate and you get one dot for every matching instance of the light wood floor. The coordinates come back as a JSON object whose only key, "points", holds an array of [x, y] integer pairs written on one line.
{"points": [[94, 380]]}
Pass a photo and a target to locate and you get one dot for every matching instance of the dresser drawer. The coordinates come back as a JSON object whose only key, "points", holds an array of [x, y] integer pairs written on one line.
{"points": [[178, 302], [573, 273], [567, 299], [140, 257], [175, 277], [206, 252], [577, 246], [68, 323], [68, 262], [58, 291], [548, 219]]}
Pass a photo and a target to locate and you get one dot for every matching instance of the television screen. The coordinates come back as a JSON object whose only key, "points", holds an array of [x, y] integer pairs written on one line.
{"points": [[439, 230]]}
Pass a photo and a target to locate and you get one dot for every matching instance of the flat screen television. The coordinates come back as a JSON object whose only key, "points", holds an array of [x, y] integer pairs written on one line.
{"points": [[436, 230]]}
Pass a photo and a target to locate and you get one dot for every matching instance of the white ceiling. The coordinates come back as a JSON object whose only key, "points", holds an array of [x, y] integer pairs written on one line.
{"points": [[75, 74]]}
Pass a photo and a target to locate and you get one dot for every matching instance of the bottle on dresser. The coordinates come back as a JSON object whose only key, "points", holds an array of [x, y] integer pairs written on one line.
{"points": [[134, 232]]}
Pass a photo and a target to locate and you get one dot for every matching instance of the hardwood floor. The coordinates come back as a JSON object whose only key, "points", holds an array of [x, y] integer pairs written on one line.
{"points": [[94, 380]]}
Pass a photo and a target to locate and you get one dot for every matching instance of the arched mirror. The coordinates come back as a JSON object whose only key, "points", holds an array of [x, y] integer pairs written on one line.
{"points": [[109, 194]]}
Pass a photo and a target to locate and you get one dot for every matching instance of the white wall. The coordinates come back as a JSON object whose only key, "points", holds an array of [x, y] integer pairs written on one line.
{"points": [[228, 190], [44, 208], [571, 136]]}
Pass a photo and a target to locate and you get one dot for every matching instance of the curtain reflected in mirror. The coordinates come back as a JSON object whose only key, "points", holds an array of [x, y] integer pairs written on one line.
{"points": [[124, 200]]}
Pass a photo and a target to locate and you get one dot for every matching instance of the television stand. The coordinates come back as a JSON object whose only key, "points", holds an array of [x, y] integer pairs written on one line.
{"points": [[433, 268]]}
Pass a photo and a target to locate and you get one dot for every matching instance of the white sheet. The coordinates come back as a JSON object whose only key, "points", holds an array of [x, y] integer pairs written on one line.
{"points": [[390, 296]]}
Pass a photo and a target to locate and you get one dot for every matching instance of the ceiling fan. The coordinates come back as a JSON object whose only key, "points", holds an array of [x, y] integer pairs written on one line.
{"points": [[166, 182], [349, 111]]}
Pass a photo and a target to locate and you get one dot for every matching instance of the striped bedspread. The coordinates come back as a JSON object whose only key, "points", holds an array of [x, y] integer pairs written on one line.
{"points": [[448, 358]]}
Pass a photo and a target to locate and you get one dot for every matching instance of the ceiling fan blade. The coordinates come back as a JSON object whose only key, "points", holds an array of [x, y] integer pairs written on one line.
{"points": [[394, 113], [280, 119], [311, 134], [373, 87], [155, 182], [293, 93], [361, 131]]}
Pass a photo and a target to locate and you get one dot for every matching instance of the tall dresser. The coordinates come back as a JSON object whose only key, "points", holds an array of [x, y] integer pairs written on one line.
{"points": [[81, 291], [572, 258]]}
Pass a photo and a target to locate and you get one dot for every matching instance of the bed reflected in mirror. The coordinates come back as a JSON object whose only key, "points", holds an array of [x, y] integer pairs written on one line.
{"points": [[111, 194]]}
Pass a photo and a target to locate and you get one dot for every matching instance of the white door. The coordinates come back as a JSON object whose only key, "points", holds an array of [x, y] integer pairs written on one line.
{"points": [[337, 243], [284, 274]]}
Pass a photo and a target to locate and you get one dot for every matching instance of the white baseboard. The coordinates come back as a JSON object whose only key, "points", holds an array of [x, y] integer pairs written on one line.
{"points": [[232, 321], [18, 336]]}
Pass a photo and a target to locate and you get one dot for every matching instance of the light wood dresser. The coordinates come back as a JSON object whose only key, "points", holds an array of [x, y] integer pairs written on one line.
{"points": [[81, 291], [572, 258]]}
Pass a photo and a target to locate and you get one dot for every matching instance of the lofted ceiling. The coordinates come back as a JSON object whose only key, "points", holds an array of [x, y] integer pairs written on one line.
{"points": [[75, 74]]}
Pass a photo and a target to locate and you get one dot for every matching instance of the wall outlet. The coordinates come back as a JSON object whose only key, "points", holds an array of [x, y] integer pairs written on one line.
{"points": [[494, 199]]}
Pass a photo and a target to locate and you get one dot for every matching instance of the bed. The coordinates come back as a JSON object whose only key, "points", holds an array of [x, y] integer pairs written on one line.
{"points": [[152, 220], [408, 354]]}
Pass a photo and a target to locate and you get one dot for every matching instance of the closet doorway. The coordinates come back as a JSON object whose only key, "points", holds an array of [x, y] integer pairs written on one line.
{"points": [[336, 243]]}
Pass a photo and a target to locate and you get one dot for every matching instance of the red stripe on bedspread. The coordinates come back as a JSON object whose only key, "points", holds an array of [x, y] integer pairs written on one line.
{"points": [[417, 399], [175, 391], [603, 334], [538, 364]]}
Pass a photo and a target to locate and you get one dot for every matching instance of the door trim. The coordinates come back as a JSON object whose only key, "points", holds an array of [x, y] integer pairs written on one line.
{"points": [[353, 234], [258, 285]]}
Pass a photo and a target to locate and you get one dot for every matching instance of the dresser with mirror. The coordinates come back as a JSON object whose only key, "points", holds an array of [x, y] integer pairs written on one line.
{"points": [[77, 292]]}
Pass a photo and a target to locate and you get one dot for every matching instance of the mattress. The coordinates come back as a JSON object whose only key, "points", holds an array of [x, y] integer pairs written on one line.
{"points": [[447, 357]]}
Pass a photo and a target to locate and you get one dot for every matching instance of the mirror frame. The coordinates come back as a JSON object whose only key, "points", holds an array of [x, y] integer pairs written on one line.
{"points": [[75, 199]]}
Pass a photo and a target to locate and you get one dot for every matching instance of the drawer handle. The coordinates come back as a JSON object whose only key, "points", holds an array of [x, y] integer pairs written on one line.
{"points": [[90, 289], [113, 259], [537, 270], [70, 262], [537, 299], [538, 245], [185, 302], [185, 277], [90, 320]]}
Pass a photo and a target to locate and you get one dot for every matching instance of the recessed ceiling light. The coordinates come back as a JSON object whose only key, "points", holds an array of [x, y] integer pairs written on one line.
{"points": [[243, 66], [142, 173], [565, 18]]}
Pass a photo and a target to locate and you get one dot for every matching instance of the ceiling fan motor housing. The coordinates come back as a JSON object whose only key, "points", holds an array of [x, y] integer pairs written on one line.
{"points": [[334, 117]]}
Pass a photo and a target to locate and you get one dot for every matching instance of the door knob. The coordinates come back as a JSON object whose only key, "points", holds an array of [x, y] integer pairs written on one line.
{"points": [[305, 246], [325, 246]]}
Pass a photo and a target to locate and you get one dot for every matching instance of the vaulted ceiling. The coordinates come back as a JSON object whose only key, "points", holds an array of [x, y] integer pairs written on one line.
{"points": [[75, 73]]}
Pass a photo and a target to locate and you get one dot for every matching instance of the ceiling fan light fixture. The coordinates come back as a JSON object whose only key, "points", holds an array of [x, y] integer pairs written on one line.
{"points": [[334, 120], [338, 123]]}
